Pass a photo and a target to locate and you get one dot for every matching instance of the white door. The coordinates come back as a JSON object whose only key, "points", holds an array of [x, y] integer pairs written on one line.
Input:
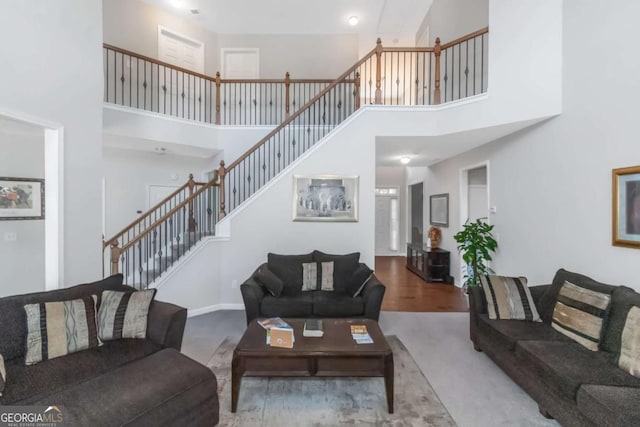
{"points": [[478, 202], [383, 225], [180, 50]]}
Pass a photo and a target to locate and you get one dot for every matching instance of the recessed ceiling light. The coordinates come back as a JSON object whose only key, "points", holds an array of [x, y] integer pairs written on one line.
{"points": [[353, 20], [405, 159], [176, 3]]}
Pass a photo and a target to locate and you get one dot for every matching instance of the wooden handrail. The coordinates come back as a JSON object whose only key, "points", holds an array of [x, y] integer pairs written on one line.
{"points": [[302, 109], [462, 39], [152, 209], [407, 49], [166, 216]]}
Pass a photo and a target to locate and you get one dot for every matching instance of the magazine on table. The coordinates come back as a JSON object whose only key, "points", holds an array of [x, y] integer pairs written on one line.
{"points": [[360, 334], [273, 322]]}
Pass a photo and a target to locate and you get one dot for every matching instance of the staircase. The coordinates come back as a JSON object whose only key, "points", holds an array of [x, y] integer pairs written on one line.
{"points": [[156, 241]]}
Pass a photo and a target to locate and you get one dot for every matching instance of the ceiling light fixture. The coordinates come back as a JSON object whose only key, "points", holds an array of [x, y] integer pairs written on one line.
{"points": [[176, 3], [353, 20], [405, 159]]}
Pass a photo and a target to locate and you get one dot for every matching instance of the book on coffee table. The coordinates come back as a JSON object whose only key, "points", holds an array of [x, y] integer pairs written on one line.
{"points": [[313, 328], [273, 322]]}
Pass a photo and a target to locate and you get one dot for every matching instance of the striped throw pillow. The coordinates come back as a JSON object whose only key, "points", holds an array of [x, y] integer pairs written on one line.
{"points": [[3, 375], [317, 273], [56, 329], [124, 314], [509, 298], [629, 359], [580, 314]]}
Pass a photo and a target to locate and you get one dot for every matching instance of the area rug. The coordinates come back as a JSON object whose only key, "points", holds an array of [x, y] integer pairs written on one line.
{"points": [[320, 402]]}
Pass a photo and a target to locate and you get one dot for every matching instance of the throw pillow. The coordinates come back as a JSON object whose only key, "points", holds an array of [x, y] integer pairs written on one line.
{"points": [[288, 268], [124, 314], [580, 314], [548, 300], [3, 375], [358, 279], [317, 273], [629, 359], [270, 281], [622, 300], [509, 298], [56, 329], [344, 267]]}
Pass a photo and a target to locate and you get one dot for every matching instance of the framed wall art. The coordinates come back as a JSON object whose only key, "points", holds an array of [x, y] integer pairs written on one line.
{"points": [[325, 198], [21, 198], [626, 207], [439, 210]]}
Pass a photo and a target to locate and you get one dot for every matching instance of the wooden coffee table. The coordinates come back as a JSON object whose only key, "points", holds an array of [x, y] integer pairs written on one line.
{"points": [[336, 354]]}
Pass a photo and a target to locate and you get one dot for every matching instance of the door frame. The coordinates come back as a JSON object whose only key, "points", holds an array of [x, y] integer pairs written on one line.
{"points": [[396, 196], [464, 200]]}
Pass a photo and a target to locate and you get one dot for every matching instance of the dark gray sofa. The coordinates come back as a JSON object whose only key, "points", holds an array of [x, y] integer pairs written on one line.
{"points": [[293, 302], [576, 386], [124, 382]]}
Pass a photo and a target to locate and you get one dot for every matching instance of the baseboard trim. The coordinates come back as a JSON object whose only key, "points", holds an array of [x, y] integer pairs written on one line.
{"points": [[216, 307]]}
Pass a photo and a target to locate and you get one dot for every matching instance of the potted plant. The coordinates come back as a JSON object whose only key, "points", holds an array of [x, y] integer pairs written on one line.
{"points": [[476, 243]]}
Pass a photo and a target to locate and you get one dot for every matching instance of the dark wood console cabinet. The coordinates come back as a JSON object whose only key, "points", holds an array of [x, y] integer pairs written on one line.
{"points": [[431, 264]]}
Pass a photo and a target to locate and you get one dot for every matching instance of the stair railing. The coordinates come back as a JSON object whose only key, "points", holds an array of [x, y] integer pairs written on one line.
{"points": [[138, 81], [386, 76]]}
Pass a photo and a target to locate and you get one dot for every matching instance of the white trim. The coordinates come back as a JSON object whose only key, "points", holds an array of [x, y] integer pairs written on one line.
{"points": [[171, 271], [225, 50], [211, 308], [199, 45]]}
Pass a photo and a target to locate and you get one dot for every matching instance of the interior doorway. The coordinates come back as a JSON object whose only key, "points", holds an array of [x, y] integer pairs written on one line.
{"points": [[387, 221], [417, 205], [474, 199]]}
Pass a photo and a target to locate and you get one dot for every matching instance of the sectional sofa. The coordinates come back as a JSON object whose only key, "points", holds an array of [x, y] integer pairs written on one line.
{"points": [[576, 386]]}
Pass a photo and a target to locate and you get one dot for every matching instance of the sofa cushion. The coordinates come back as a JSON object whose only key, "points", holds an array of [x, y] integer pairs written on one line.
{"points": [[289, 269], [13, 319], [124, 314], [55, 329], [610, 405], [506, 333], [115, 398], [31, 383], [287, 306], [580, 314], [272, 283], [629, 358], [548, 300], [332, 304], [509, 298], [358, 279], [622, 299], [565, 366], [343, 269]]}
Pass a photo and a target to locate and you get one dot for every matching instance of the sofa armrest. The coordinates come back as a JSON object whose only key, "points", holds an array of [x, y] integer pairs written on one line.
{"points": [[252, 295], [477, 300], [165, 324], [372, 294]]}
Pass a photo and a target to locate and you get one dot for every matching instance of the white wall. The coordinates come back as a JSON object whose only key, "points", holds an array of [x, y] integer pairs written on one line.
{"points": [[56, 76], [450, 19], [129, 173], [22, 261], [396, 177], [133, 25], [551, 184]]}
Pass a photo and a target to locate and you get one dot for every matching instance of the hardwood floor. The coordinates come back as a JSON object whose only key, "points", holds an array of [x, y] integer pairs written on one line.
{"points": [[408, 292]]}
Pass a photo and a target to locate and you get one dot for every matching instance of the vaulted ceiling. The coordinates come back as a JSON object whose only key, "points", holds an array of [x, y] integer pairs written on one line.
{"points": [[301, 16]]}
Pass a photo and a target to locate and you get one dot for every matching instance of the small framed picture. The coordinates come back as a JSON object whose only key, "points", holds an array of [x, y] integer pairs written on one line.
{"points": [[325, 198], [626, 207], [21, 198], [439, 210]]}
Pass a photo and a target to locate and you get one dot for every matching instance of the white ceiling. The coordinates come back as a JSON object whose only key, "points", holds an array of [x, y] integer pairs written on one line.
{"points": [[428, 150], [302, 16], [156, 147]]}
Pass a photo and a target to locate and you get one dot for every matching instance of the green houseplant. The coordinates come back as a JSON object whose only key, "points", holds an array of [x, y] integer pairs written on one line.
{"points": [[475, 244]]}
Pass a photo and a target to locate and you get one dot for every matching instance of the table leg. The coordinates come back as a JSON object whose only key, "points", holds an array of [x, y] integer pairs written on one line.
{"points": [[236, 377], [388, 380]]}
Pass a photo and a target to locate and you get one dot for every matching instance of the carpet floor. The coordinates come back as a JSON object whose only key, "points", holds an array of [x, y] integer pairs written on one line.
{"points": [[319, 402]]}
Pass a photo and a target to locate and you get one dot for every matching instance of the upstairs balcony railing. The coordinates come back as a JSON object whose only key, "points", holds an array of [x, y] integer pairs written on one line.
{"points": [[403, 76]]}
